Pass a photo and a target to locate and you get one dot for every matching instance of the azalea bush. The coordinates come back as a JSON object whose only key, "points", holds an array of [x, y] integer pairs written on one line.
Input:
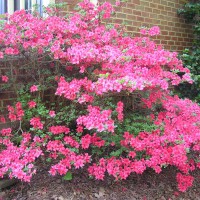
{"points": [[93, 97]]}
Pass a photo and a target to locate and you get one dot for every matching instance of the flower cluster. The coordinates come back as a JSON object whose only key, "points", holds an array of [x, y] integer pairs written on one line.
{"points": [[119, 110], [184, 182], [33, 88], [32, 104], [16, 113], [151, 32], [18, 160], [59, 129], [97, 119], [36, 123], [87, 139], [6, 132]]}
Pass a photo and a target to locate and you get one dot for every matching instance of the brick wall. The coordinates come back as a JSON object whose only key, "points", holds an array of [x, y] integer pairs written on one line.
{"points": [[175, 33]]}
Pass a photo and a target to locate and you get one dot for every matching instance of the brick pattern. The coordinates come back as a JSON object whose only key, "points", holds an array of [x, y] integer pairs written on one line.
{"points": [[176, 34]]}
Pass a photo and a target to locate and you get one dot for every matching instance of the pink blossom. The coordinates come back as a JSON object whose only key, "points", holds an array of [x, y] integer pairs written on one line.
{"points": [[32, 104], [155, 30], [187, 78], [34, 88], [117, 3], [79, 129], [36, 123], [143, 31], [119, 110], [132, 154], [2, 119], [1, 55], [71, 141], [6, 132], [15, 113], [59, 129], [4, 79], [9, 51], [86, 141], [52, 113], [97, 119], [184, 181], [79, 162]]}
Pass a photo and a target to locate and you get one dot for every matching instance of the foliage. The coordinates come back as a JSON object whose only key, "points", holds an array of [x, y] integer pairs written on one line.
{"points": [[191, 60], [92, 97], [191, 57]]}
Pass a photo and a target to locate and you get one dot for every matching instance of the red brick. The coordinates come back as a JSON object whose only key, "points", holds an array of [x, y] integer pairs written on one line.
{"points": [[141, 19], [136, 2]]}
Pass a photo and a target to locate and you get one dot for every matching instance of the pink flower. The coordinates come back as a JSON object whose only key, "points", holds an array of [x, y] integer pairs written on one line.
{"points": [[155, 30], [187, 78], [32, 104], [86, 141], [184, 181], [19, 111], [36, 123], [52, 65], [2, 119], [9, 51], [82, 69], [112, 144], [69, 68], [143, 31], [119, 109], [4, 79], [79, 162], [117, 3], [97, 141], [59, 129], [15, 113], [52, 113], [72, 142], [6, 132], [1, 54], [34, 88], [97, 119], [132, 154], [56, 78], [79, 129]]}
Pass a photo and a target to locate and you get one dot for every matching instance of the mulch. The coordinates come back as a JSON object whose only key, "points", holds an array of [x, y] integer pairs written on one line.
{"points": [[148, 186]]}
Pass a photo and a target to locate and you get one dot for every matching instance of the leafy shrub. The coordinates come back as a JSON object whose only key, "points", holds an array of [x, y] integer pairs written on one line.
{"points": [[93, 97], [191, 57]]}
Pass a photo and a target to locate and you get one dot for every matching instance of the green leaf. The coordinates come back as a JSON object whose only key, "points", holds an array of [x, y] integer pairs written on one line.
{"points": [[116, 153], [18, 139], [68, 176], [48, 159]]}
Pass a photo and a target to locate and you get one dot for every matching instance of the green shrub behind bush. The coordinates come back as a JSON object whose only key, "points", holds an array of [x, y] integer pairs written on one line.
{"points": [[191, 57]]}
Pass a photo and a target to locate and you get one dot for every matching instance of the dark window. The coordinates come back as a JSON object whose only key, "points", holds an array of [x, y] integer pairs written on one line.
{"points": [[40, 8], [28, 5], [3, 6], [16, 5]]}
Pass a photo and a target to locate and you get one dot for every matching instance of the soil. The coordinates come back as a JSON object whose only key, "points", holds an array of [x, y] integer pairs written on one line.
{"points": [[148, 186]]}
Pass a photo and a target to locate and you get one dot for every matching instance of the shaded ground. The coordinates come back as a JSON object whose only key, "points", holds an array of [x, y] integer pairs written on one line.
{"points": [[148, 186]]}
